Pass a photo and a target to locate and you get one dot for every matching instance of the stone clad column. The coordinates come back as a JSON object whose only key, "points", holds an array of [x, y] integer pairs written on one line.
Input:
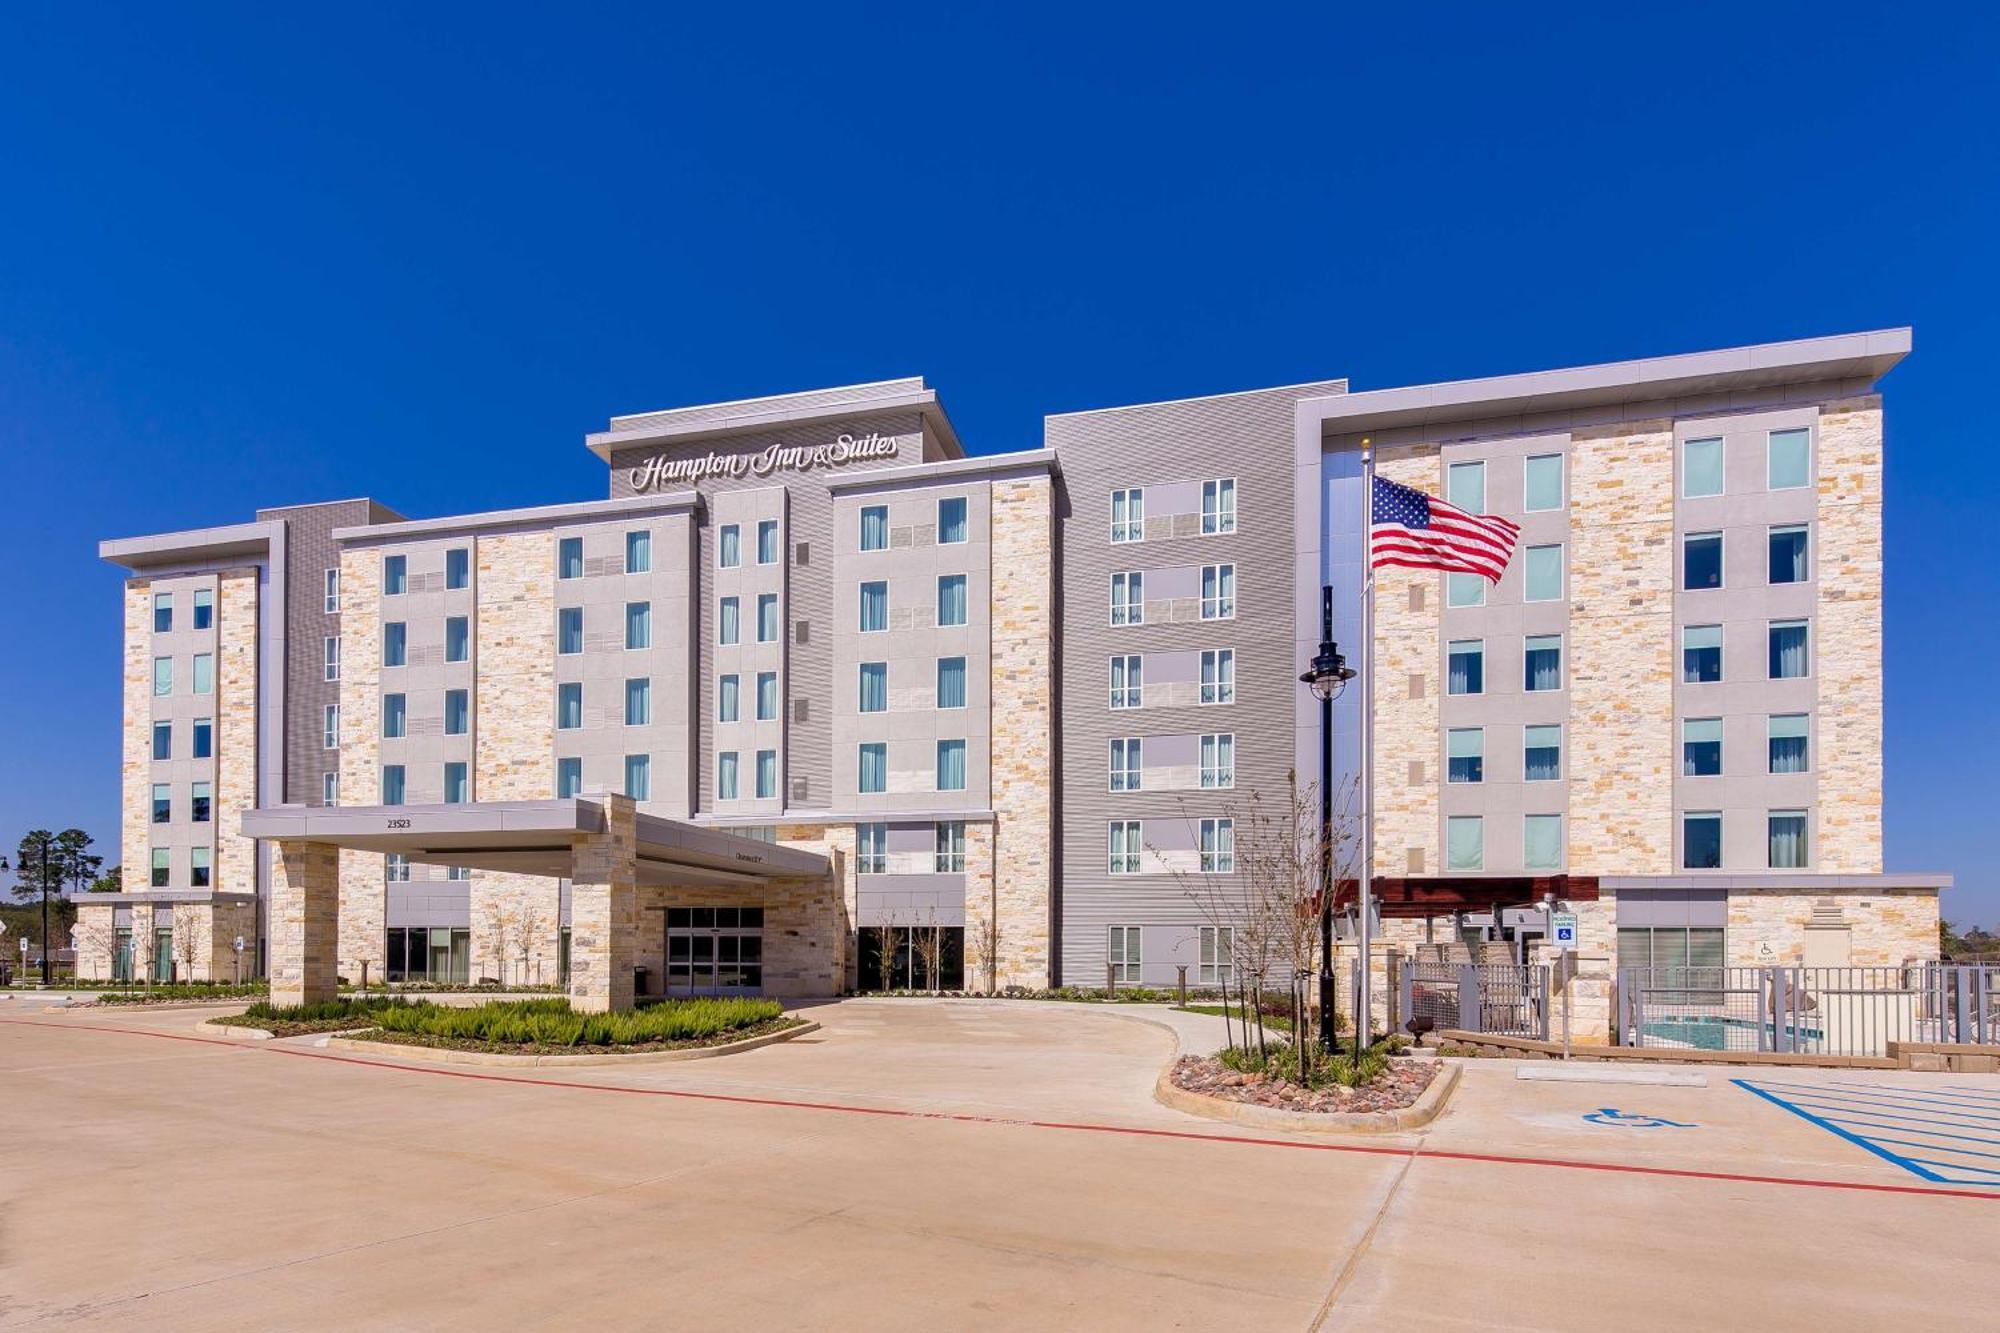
{"points": [[604, 910], [305, 922]]}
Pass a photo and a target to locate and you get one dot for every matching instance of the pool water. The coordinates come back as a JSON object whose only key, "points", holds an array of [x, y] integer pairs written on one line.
{"points": [[1725, 1034]]}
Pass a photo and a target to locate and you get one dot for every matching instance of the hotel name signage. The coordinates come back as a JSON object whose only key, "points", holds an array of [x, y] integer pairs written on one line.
{"points": [[660, 472]]}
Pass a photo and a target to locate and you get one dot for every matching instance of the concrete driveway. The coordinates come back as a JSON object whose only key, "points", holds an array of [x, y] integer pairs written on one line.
{"points": [[922, 1164]]}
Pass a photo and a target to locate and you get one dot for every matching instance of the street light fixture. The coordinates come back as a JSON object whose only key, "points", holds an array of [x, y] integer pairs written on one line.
{"points": [[1326, 676]]}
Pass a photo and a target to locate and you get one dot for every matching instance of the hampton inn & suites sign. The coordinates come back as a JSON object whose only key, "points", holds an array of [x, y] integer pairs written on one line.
{"points": [[661, 471]]}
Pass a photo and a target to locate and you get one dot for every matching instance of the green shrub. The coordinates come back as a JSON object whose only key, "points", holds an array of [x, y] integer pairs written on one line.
{"points": [[1283, 1065], [197, 990], [323, 1011], [552, 1022]]}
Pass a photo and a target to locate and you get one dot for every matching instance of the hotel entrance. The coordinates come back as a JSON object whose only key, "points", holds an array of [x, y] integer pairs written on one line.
{"points": [[714, 950]]}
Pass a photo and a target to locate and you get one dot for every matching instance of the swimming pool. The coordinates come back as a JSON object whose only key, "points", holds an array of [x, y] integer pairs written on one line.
{"points": [[1717, 1033]]}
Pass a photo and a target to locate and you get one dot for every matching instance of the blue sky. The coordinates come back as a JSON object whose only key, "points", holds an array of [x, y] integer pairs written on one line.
{"points": [[264, 254]]}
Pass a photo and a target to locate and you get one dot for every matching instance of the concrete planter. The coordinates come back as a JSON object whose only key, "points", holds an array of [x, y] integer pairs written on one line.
{"points": [[445, 1056], [1420, 1112]]}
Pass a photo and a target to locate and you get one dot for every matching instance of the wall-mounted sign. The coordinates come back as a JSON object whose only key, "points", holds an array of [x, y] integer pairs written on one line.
{"points": [[660, 472]]}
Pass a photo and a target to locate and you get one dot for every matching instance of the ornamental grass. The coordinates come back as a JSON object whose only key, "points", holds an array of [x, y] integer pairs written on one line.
{"points": [[552, 1022]]}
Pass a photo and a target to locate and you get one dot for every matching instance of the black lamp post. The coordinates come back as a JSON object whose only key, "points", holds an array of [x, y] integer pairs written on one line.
{"points": [[1326, 676]]}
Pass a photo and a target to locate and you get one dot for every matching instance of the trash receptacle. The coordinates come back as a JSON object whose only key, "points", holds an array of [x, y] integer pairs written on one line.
{"points": [[638, 981]]}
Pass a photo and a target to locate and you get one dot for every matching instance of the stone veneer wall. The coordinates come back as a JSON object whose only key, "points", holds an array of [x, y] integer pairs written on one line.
{"points": [[1621, 650], [236, 739], [982, 962], [134, 835], [836, 843], [1405, 698], [1848, 636], [604, 910], [516, 927], [363, 893], [1023, 708], [1767, 927], [305, 896], [514, 668]]}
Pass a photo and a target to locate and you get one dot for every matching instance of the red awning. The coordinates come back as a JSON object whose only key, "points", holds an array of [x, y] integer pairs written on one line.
{"points": [[1441, 895]]}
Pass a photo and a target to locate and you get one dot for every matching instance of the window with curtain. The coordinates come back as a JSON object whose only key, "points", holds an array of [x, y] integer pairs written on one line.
{"points": [[874, 696], [1125, 955], [1124, 835], [1465, 486], [163, 613], [1787, 838], [569, 630], [1542, 842], [950, 845], [329, 731], [1128, 515], [1701, 747], [725, 775], [163, 803], [1218, 676], [729, 621], [395, 643], [1218, 846], [767, 541], [1675, 949], [1788, 650], [1465, 666], [396, 869], [1543, 573], [163, 676], [1218, 760], [161, 867], [1701, 840], [875, 527], [1465, 754], [1465, 842], [1218, 592], [1543, 483], [874, 607], [951, 765], [767, 774], [951, 599], [1218, 949], [163, 740], [198, 867], [638, 701], [457, 784], [639, 777], [204, 608], [330, 658], [457, 712], [1541, 753], [457, 639], [201, 803], [951, 523], [569, 776], [203, 740], [1701, 467], [1789, 561], [871, 849], [1790, 459], [204, 673], [1464, 590], [767, 696], [392, 784], [1128, 598], [1126, 681], [1701, 560], [1701, 654], [1790, 742], [1542, 662], [638, 552], [767, 617], [329, 788], [874, 769], [1218, 506], [569, 705], [638, 624], [951, 682], [728, 700], [458, 568], [331, 602], [569, 558], [1125, 763], [394, 715], [729, 546], [396, 575]]}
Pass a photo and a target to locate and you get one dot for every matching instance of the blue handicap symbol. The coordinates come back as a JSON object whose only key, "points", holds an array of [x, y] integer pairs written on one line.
{"points": [[1609, 1115]]}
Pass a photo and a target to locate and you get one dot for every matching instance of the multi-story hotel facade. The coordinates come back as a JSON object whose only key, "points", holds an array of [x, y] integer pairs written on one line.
{"points": [[811, 677]]}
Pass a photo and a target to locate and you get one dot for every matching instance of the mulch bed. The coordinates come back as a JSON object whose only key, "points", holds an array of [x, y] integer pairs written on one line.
{"points": [[283, 1028], [389, 1038], [1399, 1086]]}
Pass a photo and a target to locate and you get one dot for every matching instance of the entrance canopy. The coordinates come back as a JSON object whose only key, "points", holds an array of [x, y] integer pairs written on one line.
{"points": [[536, 838], [1417, 897]]}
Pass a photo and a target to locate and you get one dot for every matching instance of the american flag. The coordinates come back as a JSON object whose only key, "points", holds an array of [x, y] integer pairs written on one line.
{"points": [[1410, 528]]}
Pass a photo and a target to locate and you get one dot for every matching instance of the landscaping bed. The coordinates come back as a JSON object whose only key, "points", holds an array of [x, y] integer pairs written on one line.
{"points": [[1389, 1084], [184, 994], [551, 1027], [299, 1020]]}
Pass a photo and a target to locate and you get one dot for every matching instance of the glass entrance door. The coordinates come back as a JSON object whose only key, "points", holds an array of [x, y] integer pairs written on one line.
{"points": [[714, 950]]}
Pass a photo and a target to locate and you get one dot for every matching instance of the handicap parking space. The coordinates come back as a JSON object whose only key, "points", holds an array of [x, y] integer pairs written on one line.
{"points": [[1948, 1134]]}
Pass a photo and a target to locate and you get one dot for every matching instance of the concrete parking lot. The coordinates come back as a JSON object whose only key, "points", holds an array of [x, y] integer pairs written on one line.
{"points": [[924, 1164]]}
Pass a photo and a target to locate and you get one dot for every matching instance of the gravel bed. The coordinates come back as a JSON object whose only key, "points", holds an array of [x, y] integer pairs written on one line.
{"points": [[1399, 1086]]}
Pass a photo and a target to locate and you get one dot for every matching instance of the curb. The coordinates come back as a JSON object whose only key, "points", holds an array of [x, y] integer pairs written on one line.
{"points": [[233, 1032], [1420, 1112], [445, 1056]]}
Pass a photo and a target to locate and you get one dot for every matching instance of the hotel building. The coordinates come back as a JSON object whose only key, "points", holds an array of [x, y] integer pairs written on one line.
{"points": [[810, 670]]}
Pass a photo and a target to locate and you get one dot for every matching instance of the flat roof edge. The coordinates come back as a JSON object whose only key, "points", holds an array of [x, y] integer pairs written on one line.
{"points": [[1802, 880], [167, 548], [973, 465], [604, 443], [577, 511]]}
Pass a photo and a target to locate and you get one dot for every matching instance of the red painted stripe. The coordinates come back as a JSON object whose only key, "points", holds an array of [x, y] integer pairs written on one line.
{"points": [[967, 1118]]}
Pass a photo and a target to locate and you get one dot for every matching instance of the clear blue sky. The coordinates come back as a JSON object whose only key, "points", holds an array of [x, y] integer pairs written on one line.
{"points": [[265, 254]]}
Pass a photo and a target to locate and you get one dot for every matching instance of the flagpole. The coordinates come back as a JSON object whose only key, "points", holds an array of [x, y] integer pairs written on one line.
{"points": [[1363, 1009]]}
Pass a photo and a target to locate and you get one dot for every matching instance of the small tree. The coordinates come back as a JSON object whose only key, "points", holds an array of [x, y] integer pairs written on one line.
{"points": [[885, 955], [982, 950], [96, 942], [927, 943], [187, 940]]}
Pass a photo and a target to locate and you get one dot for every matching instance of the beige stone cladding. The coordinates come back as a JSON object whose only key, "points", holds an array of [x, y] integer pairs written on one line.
{"points": [[1848, 636], [204, 938], [514, 668], [604, 910], [1886, 927], [94, 938], [836, 843], [1405, 697], [362, 937], [803, 941], [304, 901], [142, 942], [982, 941], [236, 661], [1023, 620], [516, 928], [134, 832], [1620, 737]]}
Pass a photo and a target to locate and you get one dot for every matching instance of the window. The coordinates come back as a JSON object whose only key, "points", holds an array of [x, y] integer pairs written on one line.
{"points": [[1465, 754], [874, 688], [1128, 604], [639, 777], [1125, 964], [727, 705], [1128, 515], [163, 804], [1789, 561], [1218, 505], [1701, 467], [1701, 747], [392, 784], [1544, 574], [204, 608], [204, 734], [951, 525], [875, 606], [1126, 681], [329, 789], [332, 592], [1218, 592], [1465, 486], [457, 712], [1701, 840], [163, 676], [395, 575], [569, 776], [1218, 847], [1541, 753], [457, 639], [1542, 486], [1701, 560], [1542, 662], [394, 716], [729, 621], [569, 630], [1218, 951], [951, 600], [951, 682], [457, 786], [725, 776], [1790, 459], [639, 552], [871, 849], [1465, 666], [1125, 763], [329, 727], [1788, 650], [767, 617], [464, 873], [330, 649], [395, 643], [875, 527], [1218, 676], [1542, 842], [1673, 949], [767, 541], [160, 867], [163, 613], [163, 740], [950, 843], [1464, 590], [638, 701], [396, 868], [638, 625], [1124, 846], [198, 867], [1701, 654], [204, 673], [1786, 838], [873, 777], [1465, 842], [1789, 743], [569, 705], [457, 568], [767, 695], [767, 774], [569, 558], [1218, 760], [951, 765]]}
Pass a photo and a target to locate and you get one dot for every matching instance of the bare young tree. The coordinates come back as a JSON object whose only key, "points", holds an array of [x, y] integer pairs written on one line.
{"points": [[96, 943], [187, 945], [927, 944], [982, 952], [885, 954]]}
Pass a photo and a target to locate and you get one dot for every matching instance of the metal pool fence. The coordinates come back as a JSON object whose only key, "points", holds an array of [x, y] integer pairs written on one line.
{"points": [[1501, 998], [1808, 1010]]}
